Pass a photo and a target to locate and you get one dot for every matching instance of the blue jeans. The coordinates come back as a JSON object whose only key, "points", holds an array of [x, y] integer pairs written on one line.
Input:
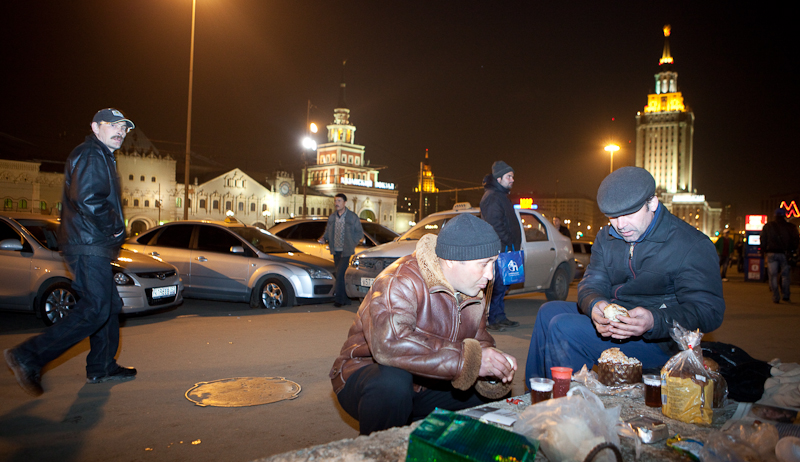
{"points": [[382, 397], [95, 315], [563, 336], [497, 307], [340, 292], [779, 266]]}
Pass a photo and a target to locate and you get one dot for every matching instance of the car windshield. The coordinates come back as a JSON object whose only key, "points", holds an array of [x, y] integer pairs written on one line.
{"points": [[263, 240], [46, 232], [378, 233]]}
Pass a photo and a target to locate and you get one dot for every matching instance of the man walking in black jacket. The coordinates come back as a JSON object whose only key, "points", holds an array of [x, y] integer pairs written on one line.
{"points": [[496, 209], [778, 238], [91, 233]]}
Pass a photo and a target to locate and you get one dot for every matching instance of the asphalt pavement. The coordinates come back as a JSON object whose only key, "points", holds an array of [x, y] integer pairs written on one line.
{"points": [[150, 419]]}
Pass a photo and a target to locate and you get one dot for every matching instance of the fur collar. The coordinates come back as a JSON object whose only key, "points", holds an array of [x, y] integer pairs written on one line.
{"points": [[429, 263]]}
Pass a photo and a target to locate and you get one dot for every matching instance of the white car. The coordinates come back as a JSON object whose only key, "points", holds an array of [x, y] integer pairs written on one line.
{"points": [[227, 260], [549, 261], [36, 278], [304, 234]]}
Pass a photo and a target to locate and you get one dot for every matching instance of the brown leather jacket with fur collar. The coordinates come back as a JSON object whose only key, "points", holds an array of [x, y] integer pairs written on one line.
{"points": [[413, 319]]}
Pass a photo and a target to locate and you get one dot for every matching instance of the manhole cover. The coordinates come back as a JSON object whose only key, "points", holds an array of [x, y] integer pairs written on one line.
{"points": [[242, 391]]}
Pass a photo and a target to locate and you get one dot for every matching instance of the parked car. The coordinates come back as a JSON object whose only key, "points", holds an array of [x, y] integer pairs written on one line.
{"points": [[549, 263], [227, 260], [583, 253], [36, 277], [304, 234]]}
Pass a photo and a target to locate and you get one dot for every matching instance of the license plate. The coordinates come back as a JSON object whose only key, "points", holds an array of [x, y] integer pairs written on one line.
{"points": [[367, 282], [161, 292]]}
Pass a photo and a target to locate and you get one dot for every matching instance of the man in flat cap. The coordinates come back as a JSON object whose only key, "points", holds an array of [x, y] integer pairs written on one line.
{"points": [[419, 339], [497, 210], [91, 233], [655, 265]]}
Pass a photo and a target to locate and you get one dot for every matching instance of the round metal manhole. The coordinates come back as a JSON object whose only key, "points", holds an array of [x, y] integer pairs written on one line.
{"points": [[242, 391]]}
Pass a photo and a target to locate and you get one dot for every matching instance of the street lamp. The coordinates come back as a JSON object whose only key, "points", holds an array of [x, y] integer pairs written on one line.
{"points": [[308, 145], [611, 148], [189, 123]]}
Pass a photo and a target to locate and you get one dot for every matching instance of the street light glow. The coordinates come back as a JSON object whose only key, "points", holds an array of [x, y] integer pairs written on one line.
{"points": [[308, 143], [611, 149], [313, 127]]}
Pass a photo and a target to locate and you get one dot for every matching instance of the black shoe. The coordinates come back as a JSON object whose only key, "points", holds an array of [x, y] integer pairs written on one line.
{"points": [[496, 327], [337, 304], [119, 374], [29, 378], [508, 323]]}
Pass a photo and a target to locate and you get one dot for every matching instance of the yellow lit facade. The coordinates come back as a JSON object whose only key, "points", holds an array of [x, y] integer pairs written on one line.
{"points": [[665, 130]]}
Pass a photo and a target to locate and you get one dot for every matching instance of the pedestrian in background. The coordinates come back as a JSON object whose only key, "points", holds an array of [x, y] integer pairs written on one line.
{"points": [[560, 226], [497, 210], [779, 241], [342, 233], [724, 247], [91, 233]]}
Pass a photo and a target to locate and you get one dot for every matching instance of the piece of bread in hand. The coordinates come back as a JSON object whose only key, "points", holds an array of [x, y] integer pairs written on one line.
{"points": [[612, 311]]}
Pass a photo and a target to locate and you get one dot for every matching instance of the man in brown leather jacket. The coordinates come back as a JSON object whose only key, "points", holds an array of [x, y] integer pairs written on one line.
{"points": [[419, 340]]}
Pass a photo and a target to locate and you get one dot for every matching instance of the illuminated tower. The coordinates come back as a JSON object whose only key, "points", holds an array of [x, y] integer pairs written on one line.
{"points": [[426, 184], [664, 131]]}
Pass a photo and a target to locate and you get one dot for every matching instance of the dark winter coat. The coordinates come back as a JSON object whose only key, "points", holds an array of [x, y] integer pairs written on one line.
{"points": [[91, 208], [496, 209], [673, 271], [779, 236]]}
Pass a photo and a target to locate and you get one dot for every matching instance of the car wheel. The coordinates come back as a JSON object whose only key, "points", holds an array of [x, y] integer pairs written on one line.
{"points": [[55, 301], [273, 293], [559, 288]]}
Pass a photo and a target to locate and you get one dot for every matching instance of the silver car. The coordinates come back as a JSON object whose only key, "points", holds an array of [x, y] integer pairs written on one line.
{"points": [[36, 277], [549, 262], [227, 260], [304, 234]]}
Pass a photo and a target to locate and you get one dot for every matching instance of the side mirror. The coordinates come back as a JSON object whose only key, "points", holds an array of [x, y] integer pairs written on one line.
{"points": [[237, 249], [10, 244]]}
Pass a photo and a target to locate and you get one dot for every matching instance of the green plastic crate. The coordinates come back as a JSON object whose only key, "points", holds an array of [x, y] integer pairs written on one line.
{"points": [[447, 436]]}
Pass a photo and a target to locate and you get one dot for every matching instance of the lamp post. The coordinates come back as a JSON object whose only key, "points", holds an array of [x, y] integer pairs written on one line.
{"points": [[308, 144], [189, 122], [611, 148]]}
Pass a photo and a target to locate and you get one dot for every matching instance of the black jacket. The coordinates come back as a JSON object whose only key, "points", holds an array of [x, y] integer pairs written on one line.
{"points": [[496, 209], [91, 212], [779, 236], [673, 272]]}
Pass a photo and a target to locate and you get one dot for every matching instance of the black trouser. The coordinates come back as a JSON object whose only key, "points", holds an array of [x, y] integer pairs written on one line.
{"points": [[95, 315], [340, 292], [382, 397]]}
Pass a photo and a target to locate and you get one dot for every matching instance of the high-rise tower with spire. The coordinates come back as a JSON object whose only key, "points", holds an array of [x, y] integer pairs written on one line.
{"points": [[665, 130]]}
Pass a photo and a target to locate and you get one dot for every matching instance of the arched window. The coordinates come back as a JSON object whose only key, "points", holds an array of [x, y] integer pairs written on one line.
{"points": [[125, 202], [153, 179], [43, 205], [253, 207], [241, 206], [136, 202], [202, 203], [141, 178], [147, 203], [130, 177], [263, 207], [215, 204], [227, 205], [22, 204]]}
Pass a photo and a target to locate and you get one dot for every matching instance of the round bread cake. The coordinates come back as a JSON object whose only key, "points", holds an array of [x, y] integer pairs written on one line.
{"points": [[615, 368]]}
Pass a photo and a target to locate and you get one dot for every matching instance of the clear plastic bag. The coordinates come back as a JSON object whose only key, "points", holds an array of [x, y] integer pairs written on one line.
{"points": [[569, 428], [589, 379], [744, 441], [687, 390]]}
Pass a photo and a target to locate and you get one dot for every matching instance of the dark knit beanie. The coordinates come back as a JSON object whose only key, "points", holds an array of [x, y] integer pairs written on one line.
{"points": [[467, 237], [780, 212], [500, 168], [625, 191]]}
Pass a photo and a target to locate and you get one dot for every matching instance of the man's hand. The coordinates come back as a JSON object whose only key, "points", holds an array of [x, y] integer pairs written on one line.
{"points": [[601, 323], [638, 321], [495, 363]]}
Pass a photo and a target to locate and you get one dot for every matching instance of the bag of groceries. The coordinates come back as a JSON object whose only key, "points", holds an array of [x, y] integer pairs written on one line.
{"points": [[687, 391]]}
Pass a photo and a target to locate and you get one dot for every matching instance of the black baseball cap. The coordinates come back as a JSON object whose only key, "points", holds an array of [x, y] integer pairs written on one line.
{"points": [[111, 115]]}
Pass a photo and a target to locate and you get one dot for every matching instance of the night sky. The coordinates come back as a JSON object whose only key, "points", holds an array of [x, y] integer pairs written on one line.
{"points": [[541, 85]]}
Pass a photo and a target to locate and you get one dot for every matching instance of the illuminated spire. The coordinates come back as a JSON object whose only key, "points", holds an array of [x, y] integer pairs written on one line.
{"points": [[666, 57], [342, 86]]}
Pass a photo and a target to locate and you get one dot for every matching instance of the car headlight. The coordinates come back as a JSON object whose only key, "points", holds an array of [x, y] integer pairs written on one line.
{"points": [[354, 262], [122, 279], [318, 273]]}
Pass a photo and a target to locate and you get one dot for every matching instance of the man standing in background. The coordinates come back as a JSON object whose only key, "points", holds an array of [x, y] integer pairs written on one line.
{"points": [[778, 239], [343, 233], [496, 209]]}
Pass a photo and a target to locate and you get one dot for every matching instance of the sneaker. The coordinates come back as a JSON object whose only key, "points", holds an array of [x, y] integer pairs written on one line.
{"points": [[508, 323], [118, 374], [29, 378], [496, 327]]}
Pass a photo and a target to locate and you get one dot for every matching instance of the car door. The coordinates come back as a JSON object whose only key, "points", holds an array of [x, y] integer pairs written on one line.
{"points": [[217, 271], [15, 270], [173, 245], [540, 253]]}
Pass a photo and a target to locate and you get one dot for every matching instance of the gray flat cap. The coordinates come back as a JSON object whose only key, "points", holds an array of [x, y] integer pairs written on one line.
{"points": [[625, 191]]}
